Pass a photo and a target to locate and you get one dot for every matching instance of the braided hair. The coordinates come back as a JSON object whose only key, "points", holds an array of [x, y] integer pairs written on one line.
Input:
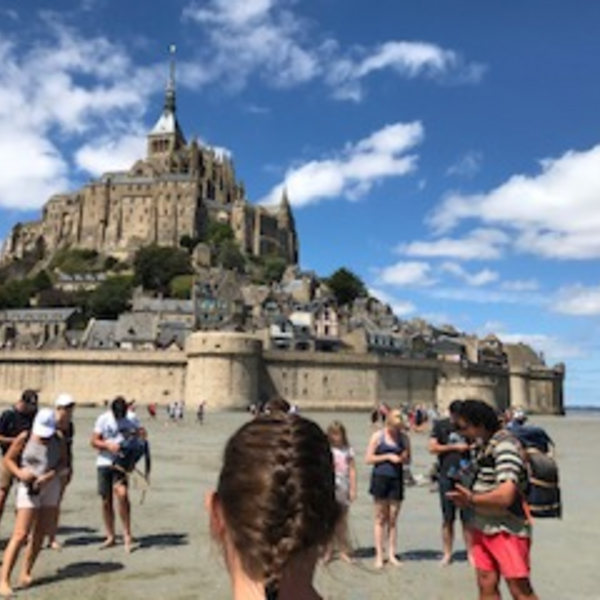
{"points": [[277, 493]]}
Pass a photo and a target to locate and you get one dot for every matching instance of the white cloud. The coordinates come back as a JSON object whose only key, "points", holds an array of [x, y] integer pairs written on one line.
{"points": [[253, 37], [265, 38], [480, 244], [57, 94], [578, 300], [520, 285], [407, 274], [478, 279], [109, 154], [555, 214], [353, 171], [467, 165], [553, 348], [32, 168], [417, 58], [487, 296], [492, 327]]}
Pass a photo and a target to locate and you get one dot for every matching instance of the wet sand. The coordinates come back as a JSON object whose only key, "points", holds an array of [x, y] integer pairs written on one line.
{"points": [[176, 559]]}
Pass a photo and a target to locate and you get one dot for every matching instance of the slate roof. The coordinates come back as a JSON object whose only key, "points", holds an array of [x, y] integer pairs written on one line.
{"points": [[100, 335], [137, 328], [173, 332], [163, 305], [37, 315]]}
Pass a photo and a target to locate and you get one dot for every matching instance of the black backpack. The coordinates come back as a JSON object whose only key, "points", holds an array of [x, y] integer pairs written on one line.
{"points": [[543, 493]]}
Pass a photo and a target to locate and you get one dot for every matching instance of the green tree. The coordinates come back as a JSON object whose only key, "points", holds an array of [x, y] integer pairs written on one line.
{"points": [[42, 281], [16, 294], [156, 266], [111, 297], [54, 298], [346, 286], [181, 287], [218, 233], [230, 257], [76, 260], [188, 242], [274, 268]]}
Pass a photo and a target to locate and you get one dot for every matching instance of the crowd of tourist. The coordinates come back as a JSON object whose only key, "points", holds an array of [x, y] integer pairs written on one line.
{"points": [[282, 500]]}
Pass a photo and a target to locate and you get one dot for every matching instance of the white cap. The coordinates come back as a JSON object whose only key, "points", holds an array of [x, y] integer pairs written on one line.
{"points": [[519, 415], [64, 400], [44, 424]]}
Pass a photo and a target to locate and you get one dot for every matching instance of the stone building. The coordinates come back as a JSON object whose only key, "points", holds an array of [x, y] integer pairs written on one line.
{"points": [[35, 327], [172, 193]]}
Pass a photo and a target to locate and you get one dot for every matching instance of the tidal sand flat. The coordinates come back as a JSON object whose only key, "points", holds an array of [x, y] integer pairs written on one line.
{"points": [[175, 557]]}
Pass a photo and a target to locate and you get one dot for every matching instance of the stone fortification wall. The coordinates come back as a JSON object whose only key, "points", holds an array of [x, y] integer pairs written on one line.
{"points": [[321, 379], [93, 377], [538, 390], [488, 384], [231, 370], [223, 369]]}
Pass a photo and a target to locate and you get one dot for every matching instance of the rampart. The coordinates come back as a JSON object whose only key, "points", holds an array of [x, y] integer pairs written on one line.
{"points": [[231, 370]]}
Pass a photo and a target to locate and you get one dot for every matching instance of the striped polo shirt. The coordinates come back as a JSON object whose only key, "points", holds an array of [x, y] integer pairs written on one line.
{"points": [[499, 461]]}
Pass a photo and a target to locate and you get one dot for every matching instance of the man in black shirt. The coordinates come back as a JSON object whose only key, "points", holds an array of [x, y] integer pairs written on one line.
{"points": [[12, 422], [453, 454]]}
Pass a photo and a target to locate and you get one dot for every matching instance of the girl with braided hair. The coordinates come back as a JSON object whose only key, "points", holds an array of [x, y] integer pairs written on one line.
{"points": [[275, 508]]}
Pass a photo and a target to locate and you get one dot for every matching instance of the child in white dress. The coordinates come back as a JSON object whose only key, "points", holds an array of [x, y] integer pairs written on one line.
{"points": [[345, 488]]}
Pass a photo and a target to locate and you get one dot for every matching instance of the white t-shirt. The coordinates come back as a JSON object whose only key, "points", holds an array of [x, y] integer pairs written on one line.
{"points": [[111, 430]]}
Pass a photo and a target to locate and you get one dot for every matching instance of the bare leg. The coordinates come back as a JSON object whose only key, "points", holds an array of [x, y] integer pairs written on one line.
{"points": [[46, 516], [488, 583], [3, 495], [468, 539], [108, 515], [23, 524], [343, 537], [53, 526], [382, 509], [447, 542], [521, 589], [392, 532], [124, 507]]}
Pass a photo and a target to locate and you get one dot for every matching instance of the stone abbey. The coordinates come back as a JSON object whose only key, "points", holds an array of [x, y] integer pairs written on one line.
{"points": [[297, 345], [175, 192]]}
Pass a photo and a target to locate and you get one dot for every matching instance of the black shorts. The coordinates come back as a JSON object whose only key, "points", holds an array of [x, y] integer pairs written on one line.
{"points": [[387, 488], [448, 507], [108, 478]]}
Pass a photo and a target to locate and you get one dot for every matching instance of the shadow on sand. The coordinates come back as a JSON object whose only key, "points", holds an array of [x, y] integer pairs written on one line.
{"points": [[79, 570], [142, 542], [162, 540], [366, 552]]}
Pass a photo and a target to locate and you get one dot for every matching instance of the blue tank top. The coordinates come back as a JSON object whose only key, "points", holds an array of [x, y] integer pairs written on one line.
{"points": [[387, 468]]}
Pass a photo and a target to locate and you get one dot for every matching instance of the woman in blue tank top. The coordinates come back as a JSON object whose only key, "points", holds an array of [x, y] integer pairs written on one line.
{"points": [[388, 451]]}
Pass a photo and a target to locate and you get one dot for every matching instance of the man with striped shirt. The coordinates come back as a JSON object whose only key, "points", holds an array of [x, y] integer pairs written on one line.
{"points": [[501, 538]]}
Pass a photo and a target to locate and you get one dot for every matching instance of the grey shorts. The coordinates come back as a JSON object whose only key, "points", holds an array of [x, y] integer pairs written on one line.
{"points": [[47, 496], [108, 478]]}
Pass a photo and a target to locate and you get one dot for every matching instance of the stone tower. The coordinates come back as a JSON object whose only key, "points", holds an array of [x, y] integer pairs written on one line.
{"points": [[166, 137]]}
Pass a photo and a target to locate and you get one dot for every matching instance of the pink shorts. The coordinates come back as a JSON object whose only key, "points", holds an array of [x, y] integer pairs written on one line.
{"points": [[503, 553]]}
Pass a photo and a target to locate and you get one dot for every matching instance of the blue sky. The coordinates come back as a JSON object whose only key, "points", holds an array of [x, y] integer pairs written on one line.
{"points": [[447, 151]]}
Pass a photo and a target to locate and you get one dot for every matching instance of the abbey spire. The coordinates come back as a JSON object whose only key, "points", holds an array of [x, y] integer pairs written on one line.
{"points": [[166, 136]]}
